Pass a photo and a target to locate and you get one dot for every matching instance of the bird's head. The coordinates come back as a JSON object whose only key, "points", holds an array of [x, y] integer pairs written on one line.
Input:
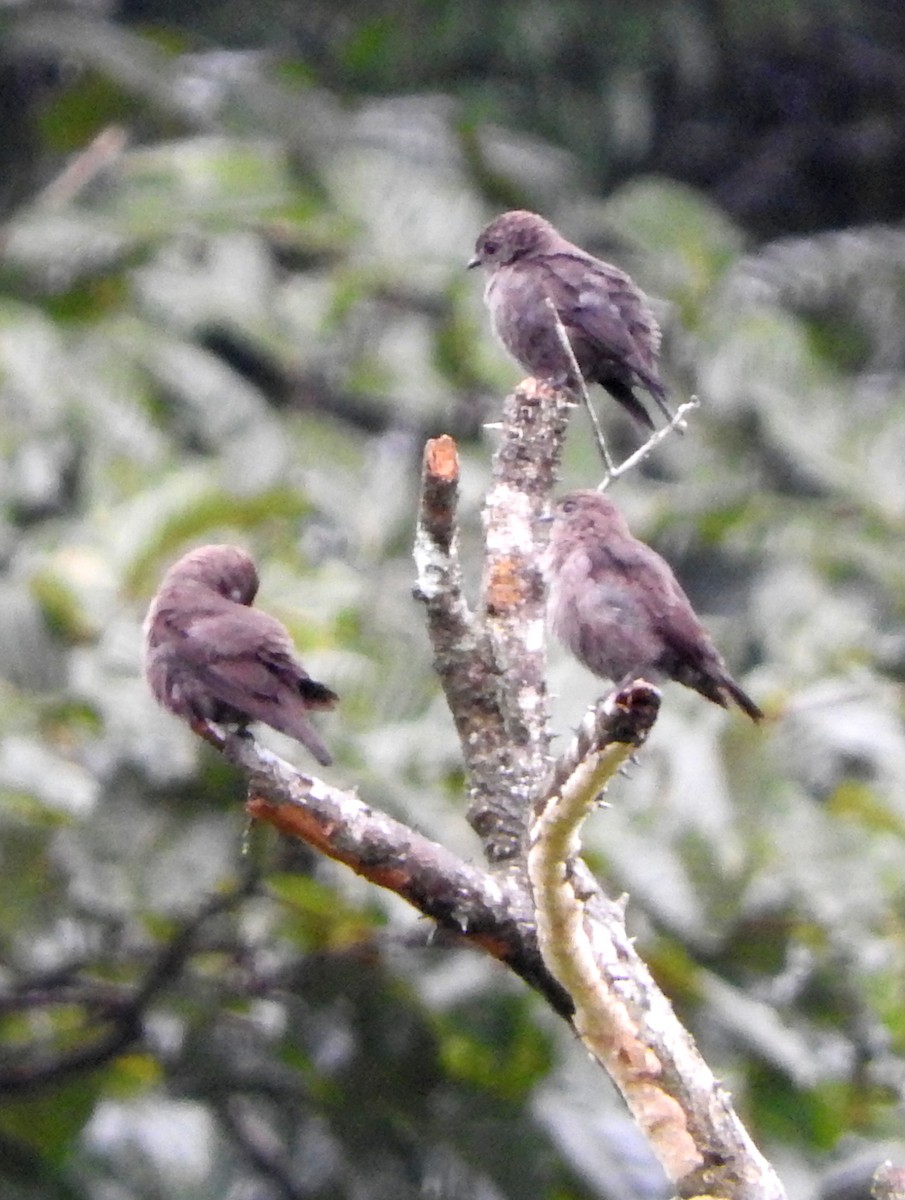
{"points": [[587, 510], [224, 569], [510, 237]]}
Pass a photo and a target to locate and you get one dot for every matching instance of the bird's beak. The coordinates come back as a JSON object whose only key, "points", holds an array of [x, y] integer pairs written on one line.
{"points": [[547, 520], [474, 261]]}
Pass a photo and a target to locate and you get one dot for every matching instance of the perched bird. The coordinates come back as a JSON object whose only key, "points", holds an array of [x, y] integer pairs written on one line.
{"points": [[616, 605], [211, 658], [606, 317]]}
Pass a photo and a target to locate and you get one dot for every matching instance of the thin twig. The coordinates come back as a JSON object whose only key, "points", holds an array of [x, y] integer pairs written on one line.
{"points": [[581, 387], [122, 1023], [677, 422], [100, 153], [259, 1143]]}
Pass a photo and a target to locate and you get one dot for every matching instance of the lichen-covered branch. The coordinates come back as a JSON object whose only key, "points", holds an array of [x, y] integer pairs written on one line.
{"points": [[466, 669], [466, 900], [525, 469], [492, 664]]}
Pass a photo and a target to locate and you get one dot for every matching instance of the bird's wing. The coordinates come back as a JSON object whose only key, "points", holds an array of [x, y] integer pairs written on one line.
{"points": [[598, 303], [630, 561], [643, 579], [246, 659]]}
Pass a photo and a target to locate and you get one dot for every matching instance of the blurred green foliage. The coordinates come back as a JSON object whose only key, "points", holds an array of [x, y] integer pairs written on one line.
{"points": [[239, 322]]}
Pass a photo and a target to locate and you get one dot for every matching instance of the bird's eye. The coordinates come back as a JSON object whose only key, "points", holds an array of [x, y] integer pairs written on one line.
{"points": [[569, 506], [490, 248]]}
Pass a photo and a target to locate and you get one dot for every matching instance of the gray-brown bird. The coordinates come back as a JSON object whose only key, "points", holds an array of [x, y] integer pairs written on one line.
{"points": [[606, 317], [211, 658], [616, 605]]}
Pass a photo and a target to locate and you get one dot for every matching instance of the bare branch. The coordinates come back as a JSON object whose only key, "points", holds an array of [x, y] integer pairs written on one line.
{"points": [[492, 668], [464, 669], [484, 911], [624, 718], [81, 171], [257, 1141], [440, 493], [120, 1018], [677, 422], [514, 763], [581, 387], [623, 1018]]}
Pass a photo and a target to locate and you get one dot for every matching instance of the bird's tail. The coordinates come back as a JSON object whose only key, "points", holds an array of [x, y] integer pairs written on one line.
{"points": [[623, 393], [658, 391], [721, 688], [316, 695], [297, 725], [292, 715], [742, 699]]}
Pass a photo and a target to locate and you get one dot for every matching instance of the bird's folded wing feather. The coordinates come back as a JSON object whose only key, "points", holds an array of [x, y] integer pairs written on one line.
{"points": [[241, 656], [598, 307], [639, 573]]}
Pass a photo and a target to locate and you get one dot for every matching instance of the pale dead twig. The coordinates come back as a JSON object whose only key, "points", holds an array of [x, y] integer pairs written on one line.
{"points": [[100, 153], [677, 422], [579, 382], [613, 471]]}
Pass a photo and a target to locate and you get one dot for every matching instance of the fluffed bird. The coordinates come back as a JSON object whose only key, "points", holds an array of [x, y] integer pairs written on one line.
{"points": [[617, 606], [209, 657]]}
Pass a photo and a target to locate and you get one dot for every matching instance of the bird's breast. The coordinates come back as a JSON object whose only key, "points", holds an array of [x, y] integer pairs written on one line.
{"points": [[523, 322]]}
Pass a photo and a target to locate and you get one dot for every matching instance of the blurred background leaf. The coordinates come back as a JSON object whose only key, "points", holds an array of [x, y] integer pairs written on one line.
{"points": [[232, 306]]}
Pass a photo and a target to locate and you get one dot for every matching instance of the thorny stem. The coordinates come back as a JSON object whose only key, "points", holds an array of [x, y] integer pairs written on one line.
{"points": [[621, 1016]]}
